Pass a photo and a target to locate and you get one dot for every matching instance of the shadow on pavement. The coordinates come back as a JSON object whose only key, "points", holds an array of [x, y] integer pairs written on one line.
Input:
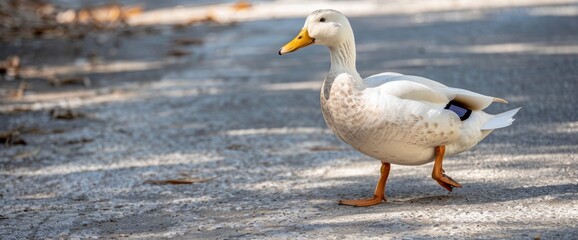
{"points": [[251, 119]]}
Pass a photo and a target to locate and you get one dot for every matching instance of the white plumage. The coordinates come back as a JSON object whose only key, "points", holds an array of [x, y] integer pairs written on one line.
{"points": [[395, 118]]}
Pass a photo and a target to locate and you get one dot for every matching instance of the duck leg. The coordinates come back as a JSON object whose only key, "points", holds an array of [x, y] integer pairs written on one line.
{"points": [[438, 172], [379, 194]]}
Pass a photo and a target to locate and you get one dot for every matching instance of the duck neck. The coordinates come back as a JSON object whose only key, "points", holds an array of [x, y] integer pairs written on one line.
{"points": [[343, 60], [343, 57]]}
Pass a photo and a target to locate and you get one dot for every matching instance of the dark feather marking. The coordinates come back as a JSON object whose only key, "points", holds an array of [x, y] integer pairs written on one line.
{"points": [[462, 112]]}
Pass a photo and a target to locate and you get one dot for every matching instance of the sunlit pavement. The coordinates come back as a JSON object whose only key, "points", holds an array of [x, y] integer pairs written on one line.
{"points": [[246, 124]]}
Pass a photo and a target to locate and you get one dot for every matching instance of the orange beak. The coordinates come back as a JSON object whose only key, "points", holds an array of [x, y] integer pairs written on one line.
{"points": [[301, 40]]}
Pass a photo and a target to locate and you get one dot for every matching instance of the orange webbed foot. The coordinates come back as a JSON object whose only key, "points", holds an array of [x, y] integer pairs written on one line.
{"points": [[363, 202], [379, 194], [438, 172]]}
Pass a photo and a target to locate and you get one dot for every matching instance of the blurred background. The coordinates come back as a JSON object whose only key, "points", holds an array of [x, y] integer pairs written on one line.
{"points": [[163, 119], [56, 49]]}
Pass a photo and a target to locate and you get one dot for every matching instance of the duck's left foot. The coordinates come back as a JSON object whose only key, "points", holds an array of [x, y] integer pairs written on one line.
{"points": [[363, 202], [379, 194], [438, 172]]}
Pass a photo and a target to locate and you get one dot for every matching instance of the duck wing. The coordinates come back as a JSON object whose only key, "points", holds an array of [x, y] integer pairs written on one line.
{"points": [[422, 89]]}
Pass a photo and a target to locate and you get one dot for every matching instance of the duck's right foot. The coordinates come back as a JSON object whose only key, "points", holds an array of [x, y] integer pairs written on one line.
{"points": [[438, 172]]}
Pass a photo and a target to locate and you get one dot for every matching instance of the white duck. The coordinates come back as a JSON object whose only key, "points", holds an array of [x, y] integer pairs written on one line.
{"points": [[395, 118]]}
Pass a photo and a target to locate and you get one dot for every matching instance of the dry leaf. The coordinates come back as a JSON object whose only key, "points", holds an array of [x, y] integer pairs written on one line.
{"points": [[10, 68], [188, 41], [11, 138], [65, 114], [109, 14], [105, 14], [242, 5], [178, 181], [178, 53], [128, 12], [210, 17], [326, 148]]}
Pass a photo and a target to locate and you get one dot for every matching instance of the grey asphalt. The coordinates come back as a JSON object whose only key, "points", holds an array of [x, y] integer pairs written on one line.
{"points": [[248, 122]]}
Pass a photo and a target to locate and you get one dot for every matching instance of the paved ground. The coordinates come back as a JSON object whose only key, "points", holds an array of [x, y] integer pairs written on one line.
{"points": [[247, 121]]}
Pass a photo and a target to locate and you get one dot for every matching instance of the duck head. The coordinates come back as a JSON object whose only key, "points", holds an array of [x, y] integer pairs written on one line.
{"points": [[324, 27]]}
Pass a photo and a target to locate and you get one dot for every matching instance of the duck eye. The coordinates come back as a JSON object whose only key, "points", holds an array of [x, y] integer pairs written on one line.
{"points": [[322, 20]]}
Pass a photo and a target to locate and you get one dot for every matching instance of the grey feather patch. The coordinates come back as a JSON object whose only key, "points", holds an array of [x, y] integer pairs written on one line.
{"points": [[327, 84]]}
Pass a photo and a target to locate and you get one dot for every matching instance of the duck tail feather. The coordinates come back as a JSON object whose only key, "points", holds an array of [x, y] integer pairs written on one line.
{"points": [[501, 120]]}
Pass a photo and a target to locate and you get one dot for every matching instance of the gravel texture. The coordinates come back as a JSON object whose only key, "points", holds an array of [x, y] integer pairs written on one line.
{"points": [[247, 122]]}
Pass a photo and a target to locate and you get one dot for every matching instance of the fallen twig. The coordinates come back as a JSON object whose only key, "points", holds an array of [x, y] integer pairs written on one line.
{"points": [[178, 181], [58, 81], [326, 148]]}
